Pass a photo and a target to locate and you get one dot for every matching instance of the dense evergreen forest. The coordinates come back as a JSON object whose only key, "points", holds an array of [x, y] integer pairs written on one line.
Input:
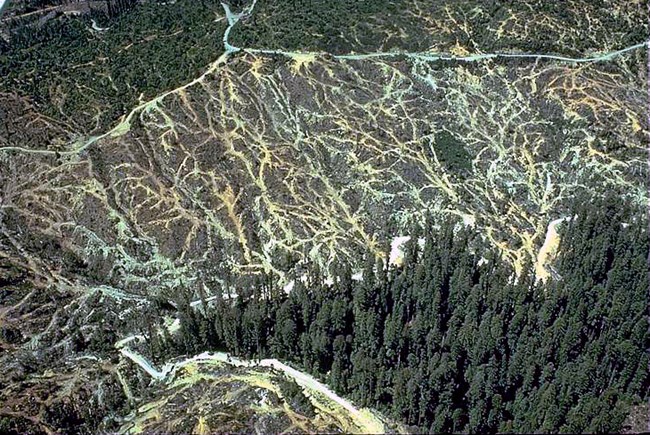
{"points": [[450, 341], [89, 78]]}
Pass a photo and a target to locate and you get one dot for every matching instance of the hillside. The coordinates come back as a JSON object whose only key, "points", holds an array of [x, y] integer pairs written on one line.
{"points": [[435, 210]]}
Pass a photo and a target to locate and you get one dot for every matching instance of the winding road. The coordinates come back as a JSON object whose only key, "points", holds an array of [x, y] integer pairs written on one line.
{"points": [[433, 57], [363, 418], [233, 18]]}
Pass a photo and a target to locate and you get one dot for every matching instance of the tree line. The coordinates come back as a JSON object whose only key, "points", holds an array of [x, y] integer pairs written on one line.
{"points": [[451, 341]]}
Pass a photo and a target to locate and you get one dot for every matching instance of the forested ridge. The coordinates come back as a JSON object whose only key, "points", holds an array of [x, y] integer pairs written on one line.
{"points": [[450, 341], [88, 78]]}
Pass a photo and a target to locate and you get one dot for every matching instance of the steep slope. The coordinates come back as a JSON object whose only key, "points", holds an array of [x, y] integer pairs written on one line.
{"points": [[195, 151]]}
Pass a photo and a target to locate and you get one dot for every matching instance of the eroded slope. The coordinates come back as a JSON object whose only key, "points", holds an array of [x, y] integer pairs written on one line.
{"points": [[260, 162], [268, 161]]}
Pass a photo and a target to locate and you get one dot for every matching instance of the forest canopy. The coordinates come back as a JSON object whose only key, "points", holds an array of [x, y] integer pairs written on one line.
{"points": [[450, 342]]}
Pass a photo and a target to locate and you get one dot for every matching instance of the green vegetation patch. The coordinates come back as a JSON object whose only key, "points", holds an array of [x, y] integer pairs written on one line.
{"points": [[452, 153], [294, 395], [89, 78], [342, 26], [337, 26]]}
